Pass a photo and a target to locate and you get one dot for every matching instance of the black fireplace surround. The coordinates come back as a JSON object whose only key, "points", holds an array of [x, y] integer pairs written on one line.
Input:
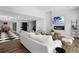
{"points": [[59, 27]]}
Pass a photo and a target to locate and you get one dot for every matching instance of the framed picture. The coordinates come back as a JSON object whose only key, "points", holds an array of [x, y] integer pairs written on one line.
{"points": [[58, 20]]}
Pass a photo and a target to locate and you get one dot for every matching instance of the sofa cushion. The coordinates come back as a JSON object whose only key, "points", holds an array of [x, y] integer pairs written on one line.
{"points": [[68, 41], [57, 43], [24, 34], [42, 38]]}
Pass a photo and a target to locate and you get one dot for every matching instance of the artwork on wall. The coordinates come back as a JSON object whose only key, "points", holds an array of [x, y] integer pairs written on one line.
{"points": [[58, 20]]}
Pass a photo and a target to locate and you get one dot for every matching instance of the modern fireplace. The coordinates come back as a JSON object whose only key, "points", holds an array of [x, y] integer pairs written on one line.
{"points": [[59, 27]]}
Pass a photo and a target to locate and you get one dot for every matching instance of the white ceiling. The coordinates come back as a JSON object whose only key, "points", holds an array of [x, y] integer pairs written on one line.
{"points": [[42, 8], [50, 8], [13, 9]]}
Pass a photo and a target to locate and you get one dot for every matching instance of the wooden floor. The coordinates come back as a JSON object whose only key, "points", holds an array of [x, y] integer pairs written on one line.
{"points": [[13, 46]]}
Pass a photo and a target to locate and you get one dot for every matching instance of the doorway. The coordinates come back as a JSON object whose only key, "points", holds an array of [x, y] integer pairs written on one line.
{"points": [[15, 27]]}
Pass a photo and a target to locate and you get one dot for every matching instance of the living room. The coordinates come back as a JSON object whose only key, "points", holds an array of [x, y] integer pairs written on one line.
{"points": [[41, 20]]}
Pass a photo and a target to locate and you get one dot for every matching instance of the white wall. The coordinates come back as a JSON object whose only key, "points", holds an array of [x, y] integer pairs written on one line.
{"points": [[69, 14], [25, 10], [29, 26], [18, 26], [44, 24], [1, 22], [77, 11], [39, 25]]}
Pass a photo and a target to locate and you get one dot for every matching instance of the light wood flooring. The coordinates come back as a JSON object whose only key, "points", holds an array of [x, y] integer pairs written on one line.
{"points": [[14, 46]]}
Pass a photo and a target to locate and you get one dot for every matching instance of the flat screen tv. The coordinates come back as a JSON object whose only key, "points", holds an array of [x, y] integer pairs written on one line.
{"points": [[58, 20], [24, 26]]}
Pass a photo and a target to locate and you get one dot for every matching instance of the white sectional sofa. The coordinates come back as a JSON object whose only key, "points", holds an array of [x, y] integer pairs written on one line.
{"points": [[38, 43]]}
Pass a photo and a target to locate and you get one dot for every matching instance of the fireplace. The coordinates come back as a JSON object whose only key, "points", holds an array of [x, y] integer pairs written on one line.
{"points": [[59, 27]]}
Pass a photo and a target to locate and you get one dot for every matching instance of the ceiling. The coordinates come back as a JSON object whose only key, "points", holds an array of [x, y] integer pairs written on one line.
{"points": [[42, 8], [13, 9], [50, 8]]}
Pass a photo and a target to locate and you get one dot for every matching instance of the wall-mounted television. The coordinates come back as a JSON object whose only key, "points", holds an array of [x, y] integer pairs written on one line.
{"points": [[58, 20]]}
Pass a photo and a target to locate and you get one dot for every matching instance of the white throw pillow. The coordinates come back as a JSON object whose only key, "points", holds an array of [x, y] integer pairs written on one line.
{"points": [[57, 43], [69, 41], [47, 40], [38, 38]]}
